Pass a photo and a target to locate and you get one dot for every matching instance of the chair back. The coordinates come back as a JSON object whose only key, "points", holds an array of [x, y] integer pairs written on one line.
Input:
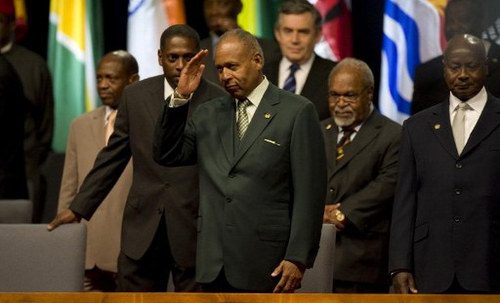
{"points": [[34, 259], [320, 278], [16, 211]]}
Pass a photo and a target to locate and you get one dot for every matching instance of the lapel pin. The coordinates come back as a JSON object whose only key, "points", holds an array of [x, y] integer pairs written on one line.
{"points": [[328, 126], [267, 115], [437, 126]]}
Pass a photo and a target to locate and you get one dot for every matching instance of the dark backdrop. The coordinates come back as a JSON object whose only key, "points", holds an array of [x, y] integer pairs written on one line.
{"points": [[367, 27]]}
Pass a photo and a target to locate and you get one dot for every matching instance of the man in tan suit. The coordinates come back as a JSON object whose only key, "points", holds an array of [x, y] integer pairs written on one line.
{"points": [[88, 134]]}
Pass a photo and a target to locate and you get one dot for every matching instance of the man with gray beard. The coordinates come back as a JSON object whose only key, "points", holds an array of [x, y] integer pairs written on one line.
{"points": [[362, 153]]}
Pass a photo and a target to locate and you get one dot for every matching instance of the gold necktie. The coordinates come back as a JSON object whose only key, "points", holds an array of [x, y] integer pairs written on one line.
{"points": [[243, 121], [110, 125], [458, 126]]}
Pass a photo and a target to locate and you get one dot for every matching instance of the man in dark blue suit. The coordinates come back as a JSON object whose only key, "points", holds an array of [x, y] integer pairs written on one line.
{"points": [[445, 234]]}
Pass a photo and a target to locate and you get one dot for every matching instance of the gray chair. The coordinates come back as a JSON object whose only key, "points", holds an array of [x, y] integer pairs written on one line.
{"points": [[34, 259], [16, 211], [320, 278]]}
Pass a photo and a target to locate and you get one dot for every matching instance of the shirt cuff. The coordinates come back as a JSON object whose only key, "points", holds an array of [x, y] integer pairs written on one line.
{"points": [[176, 101]]}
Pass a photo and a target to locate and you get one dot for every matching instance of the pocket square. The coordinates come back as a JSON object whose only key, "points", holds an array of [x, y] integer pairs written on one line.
{"points": [[272, 142]]}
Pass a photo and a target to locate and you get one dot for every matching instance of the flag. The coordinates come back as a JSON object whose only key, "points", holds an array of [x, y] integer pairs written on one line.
{"points": [[147, 19], [413, 34], [74, 47], [336, 40], [258, 17], [21, 20]]}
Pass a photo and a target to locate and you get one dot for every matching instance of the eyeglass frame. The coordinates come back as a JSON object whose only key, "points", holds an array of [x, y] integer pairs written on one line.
{"points": [[349, 99]]}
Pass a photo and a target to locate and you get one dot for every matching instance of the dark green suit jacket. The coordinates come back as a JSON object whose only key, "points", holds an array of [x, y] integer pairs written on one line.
{"points": [[261, 199]]}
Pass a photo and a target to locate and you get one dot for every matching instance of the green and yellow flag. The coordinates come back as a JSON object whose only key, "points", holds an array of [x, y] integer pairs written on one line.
{"points": [[258, 17], [74, 47]]}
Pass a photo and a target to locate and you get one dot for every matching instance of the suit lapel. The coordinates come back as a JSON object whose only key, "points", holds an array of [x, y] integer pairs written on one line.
{"points": [[367, 133], [331, 132], [226, 113], [97, 126], [488, 121], [263, 115], [441, 127], [156, 98]]}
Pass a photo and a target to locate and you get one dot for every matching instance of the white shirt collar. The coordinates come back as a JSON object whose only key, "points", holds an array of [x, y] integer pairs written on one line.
{"points": [[258, 93], [477, 102], [300, 75], [6, 48], [167, 89]]}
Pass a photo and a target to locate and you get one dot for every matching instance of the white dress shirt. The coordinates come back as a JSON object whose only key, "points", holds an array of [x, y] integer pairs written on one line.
{"points": [[476, 103], [300, 75]]}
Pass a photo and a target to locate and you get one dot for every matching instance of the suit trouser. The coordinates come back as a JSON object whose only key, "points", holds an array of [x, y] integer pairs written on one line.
{"points": [[151, 272]]}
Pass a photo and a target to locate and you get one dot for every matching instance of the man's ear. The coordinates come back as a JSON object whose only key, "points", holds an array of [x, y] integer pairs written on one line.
{"points": [[258, 59], [159, 57], [133, 78]]}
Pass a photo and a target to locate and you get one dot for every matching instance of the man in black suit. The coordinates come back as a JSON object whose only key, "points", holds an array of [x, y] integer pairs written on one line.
{"points": [[262, 172], [159, 221], [445, 223], [362, 154], [462, 17], [300, 70], [12, 102], [221, 16]]}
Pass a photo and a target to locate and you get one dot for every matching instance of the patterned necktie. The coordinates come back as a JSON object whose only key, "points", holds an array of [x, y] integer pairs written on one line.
{"points": [[110, 125], [242, 116], [290, 83], [458, 126], [346, 139]]}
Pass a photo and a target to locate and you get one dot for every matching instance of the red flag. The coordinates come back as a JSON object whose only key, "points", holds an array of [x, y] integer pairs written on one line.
{"points": [[337, 29]]}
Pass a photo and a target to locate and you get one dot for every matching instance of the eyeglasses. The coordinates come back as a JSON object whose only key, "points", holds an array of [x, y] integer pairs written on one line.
{"points": [[349, 97]]}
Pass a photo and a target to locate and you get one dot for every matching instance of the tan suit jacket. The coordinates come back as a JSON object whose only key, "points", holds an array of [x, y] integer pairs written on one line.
{"points": [[85, 140]]}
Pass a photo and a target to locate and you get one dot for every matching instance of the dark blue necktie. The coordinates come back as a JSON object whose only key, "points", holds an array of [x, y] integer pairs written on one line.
{"points": [[290, 83]]}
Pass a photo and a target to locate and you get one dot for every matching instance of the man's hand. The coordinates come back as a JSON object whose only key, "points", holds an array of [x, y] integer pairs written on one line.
{"points": [[65, 216], [330, 216], [404, 283], [291, 276], [191, 74]]}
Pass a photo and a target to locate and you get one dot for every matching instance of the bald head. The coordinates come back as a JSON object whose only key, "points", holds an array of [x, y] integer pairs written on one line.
{"points": [[465, 68], [116, 70]]}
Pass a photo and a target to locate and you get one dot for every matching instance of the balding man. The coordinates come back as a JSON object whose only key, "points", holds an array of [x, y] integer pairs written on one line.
{"points": [[362, 153], [159, 220], [445, 224], [262, 172], [87, 135]]}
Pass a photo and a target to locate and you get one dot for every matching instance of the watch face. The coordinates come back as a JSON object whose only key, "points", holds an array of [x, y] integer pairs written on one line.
{"points": [[339, 216]]}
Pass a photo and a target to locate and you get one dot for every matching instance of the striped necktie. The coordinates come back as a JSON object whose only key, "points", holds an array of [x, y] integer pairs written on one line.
{"points": [[242, 116], [346, 139], [290, 83]]}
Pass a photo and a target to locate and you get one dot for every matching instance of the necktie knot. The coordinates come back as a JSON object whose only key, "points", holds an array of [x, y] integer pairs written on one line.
{"points": [[293, 68]]}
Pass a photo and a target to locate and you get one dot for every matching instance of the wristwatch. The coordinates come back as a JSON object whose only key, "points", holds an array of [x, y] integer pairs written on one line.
{"points": [[177, 95], [339, 215]]}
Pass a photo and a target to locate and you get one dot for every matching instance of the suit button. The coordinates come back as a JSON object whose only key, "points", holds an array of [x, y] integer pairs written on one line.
{"points": [[458, 191], [231, 176], [456, 219], [458, 165], [228, 200], [331, 190]]}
